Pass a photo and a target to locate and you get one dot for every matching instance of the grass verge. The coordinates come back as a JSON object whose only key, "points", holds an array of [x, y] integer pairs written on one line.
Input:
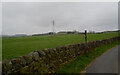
{"points": [[82, 61]]}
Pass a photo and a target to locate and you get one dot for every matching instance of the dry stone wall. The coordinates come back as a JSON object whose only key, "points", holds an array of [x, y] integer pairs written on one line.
{"points": [[48, 60]]}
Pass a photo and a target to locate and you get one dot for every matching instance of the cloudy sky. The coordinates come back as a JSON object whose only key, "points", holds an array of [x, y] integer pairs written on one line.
{"points": [[37, 17]]}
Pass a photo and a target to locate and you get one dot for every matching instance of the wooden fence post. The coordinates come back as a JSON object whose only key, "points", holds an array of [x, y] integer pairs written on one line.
{"points": [[85, 36], [86, 47]]}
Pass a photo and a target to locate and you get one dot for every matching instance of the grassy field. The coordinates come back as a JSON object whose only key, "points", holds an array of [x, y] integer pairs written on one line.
{"points": [[81, 62], [14, 47]]}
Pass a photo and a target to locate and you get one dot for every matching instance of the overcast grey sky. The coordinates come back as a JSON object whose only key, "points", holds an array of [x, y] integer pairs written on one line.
{"points": [[36, 17]]}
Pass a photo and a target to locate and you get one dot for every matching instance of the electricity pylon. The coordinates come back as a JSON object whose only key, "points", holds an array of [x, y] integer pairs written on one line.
{"points": [[53, 26]]}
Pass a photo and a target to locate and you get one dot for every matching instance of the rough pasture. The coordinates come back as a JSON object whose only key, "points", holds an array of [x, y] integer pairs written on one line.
{"points": [[14, 47]]}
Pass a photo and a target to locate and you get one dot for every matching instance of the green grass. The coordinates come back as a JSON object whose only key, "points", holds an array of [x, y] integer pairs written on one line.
{"points": [[14, 47], [81, 62]]}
